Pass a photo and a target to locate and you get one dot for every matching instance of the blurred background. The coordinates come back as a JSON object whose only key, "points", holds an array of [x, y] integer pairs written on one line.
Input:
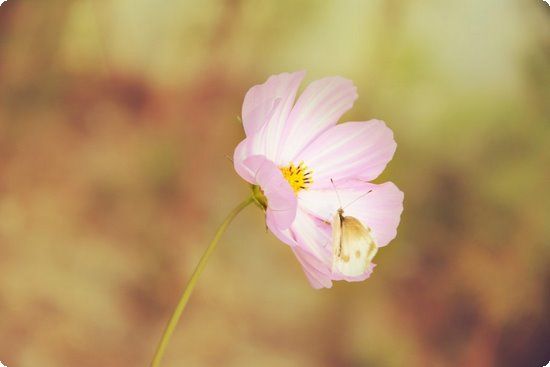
{"points": [[116, 117]]}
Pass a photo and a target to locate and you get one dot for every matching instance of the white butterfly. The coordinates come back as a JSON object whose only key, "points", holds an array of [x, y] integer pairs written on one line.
{"points": [[352, 243]]}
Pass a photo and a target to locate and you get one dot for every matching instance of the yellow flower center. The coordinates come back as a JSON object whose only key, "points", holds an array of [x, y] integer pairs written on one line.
{"points": [[299, 177]]}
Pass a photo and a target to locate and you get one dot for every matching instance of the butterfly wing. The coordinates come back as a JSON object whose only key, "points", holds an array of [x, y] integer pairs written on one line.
{"points": [[336, 235], [355, 249]]}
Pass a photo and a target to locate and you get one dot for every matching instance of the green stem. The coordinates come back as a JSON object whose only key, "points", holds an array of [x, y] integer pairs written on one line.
{"points": [[192, 282]]}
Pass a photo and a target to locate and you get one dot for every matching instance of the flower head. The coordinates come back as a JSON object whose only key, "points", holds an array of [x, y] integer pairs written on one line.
{"points": [[295, 155]]}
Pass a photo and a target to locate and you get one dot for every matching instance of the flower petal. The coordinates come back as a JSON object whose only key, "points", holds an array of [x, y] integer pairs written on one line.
{"points": [[239, 156], [311, 242], [259, 100], [358, 150], [284, 235], [314, 248], [254, 144], [310, 265], [380, 209], [358, 278], [318, 108], [281, 201], [317, 271], [314, 235]]}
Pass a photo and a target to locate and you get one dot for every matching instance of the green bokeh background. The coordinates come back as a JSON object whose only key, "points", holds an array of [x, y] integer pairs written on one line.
{"points": [[116, 117]]}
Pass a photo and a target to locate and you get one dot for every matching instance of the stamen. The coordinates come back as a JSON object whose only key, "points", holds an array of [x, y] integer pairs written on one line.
{"points": [[299, 177]]}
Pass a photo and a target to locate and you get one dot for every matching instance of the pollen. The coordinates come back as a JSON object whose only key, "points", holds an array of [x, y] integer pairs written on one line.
{"points": [[299, 177]]}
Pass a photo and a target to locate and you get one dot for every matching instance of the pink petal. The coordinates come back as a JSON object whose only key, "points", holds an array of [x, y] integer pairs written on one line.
{"points": [[314, 248], [358, 150], [359, 278], [379, 209], [265, 112], [239, 156], [260, 105], [310, 241], [284, 235], [318, 108], [281, 201], [313, 235], [310, 265], [254, 144]]}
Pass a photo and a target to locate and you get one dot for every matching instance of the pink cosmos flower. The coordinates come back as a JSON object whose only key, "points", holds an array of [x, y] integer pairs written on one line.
{"points": [[295, 155]]}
